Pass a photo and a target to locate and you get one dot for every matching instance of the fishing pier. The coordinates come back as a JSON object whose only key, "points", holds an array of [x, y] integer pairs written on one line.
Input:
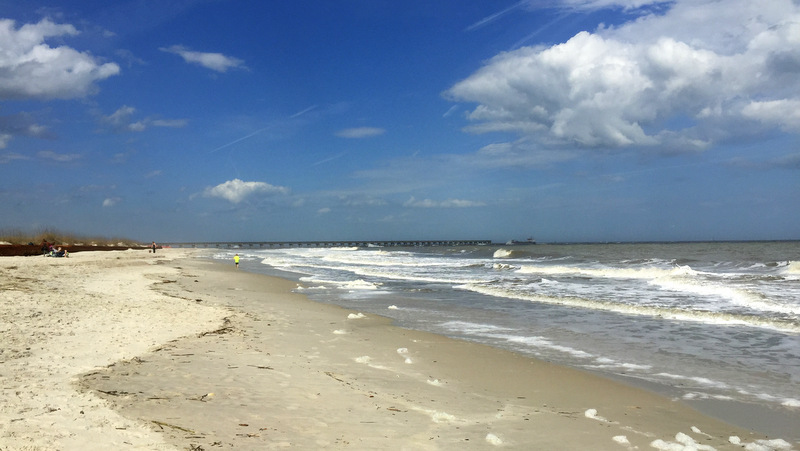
{"points": [[324, 244]]}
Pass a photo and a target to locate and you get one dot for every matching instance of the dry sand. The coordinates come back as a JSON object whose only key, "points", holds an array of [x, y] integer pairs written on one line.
{"points": [[130, 350]]}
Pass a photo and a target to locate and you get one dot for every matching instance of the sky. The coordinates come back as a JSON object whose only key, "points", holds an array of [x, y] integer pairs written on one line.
{"points": [[561, 120]]}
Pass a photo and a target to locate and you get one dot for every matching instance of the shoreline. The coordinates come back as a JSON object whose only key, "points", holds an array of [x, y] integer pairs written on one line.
{"points": [[254, 365]]}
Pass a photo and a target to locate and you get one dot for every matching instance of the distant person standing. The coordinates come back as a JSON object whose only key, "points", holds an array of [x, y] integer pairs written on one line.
{"points": [[236, 260], [154, 247]]}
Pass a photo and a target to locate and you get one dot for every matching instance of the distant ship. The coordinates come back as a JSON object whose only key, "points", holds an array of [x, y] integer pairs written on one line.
{"points": [[516, 243]]}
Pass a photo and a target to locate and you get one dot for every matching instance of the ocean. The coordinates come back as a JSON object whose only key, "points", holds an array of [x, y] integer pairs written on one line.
{"points": [[714, 324]]}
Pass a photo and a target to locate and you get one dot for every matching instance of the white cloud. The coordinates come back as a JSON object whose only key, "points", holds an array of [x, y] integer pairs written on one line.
{"points": [[111, 201], [600, 4], [59, 157], [20, 124], [122, 121], [29, 68], [784, 112], [237, 190], [8, 157], [360, 132], [171, 123], [617, 87], [214, 61], [323, 211], [449, 203], [521, 153]]}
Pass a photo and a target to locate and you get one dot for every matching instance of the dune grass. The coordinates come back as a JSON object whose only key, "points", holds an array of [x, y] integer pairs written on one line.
{"points": [[51, 235]]}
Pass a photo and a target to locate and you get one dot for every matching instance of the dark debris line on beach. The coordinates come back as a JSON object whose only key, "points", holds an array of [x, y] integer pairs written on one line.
{"points": [[27, 250]]}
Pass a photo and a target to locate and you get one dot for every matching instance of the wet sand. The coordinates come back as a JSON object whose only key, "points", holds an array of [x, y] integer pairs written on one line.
{"points": [[129, 350]]}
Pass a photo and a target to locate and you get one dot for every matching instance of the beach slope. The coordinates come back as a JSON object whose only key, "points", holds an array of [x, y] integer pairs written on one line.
{"points": [[133, 350]]}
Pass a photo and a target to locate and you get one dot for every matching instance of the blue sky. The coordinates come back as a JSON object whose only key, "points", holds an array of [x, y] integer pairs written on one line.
{"points": [[566, 120]]}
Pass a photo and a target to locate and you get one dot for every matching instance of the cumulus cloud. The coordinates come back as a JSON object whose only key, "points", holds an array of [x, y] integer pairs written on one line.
{"points": [[449, 203], [123, 120], [111, 201], [783, 112], [214, 61], [360, 132], [31, 69], [237, 190], [667, 80]]}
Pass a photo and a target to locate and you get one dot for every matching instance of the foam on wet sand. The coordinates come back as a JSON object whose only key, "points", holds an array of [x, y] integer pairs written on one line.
{"points": [[168, 351]]}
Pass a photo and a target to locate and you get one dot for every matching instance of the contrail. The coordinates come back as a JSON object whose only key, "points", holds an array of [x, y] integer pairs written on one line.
{"points": [[238, 140], [495, 16], [312, 107], [261, 130], [329, 159]]}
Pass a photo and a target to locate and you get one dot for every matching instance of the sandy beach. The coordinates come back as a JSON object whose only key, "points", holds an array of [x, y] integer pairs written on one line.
{"points": [[132, 350]]}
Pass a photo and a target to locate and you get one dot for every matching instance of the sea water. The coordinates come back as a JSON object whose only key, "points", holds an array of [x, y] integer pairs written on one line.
{"points": [[703, 321]]}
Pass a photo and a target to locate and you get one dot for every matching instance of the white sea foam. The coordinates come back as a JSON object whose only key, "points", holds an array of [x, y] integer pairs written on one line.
{"points": [[761, 445], [592, 415], [541, 342], [497, 332], [621, 439], [311, 288], [696, 395], [737, 296], [785, 402], [442, 417], [682, 443], [604, 362], [703, 381], [358, 315], [339, 332], [680, 314], [363, 359], [404, 351], [792, 270], [358, 284], [608, 272], [392, 307], [791, 402], [434, 382], [493, 439], [472, 328]]}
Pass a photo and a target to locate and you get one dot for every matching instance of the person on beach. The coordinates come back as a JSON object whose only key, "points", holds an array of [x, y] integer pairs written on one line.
{"points": [[236, 260], [154, 247]]}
